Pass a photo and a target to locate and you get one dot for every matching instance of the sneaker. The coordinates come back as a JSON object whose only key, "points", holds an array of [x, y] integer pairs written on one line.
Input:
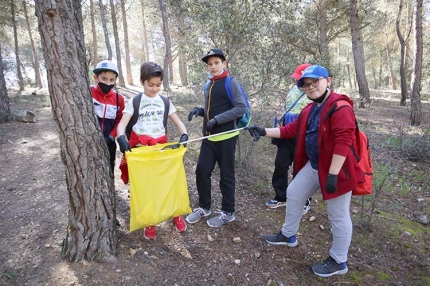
{"points": [[197, 214], [149, 232], [307, 206], [223, 218], [180, 224], [280, 239], [273, 204], [329, 267]]}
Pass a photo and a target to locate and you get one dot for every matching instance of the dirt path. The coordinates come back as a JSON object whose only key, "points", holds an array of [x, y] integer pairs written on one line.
{"points": [[34, 206]]}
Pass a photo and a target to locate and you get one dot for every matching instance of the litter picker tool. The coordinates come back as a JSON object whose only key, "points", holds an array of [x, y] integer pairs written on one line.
{"points": [[176, 145]]}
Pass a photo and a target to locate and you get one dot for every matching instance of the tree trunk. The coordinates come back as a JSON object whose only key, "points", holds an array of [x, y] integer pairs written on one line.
{"points": [[168, 52], [126, 44], [182, 58], [358, 52], [5, 114], [144, 35], [15, 36], [105, 30], [410, 20], [348, 69], [325, 55], [117, 47], [416, 107], [390, 67], [91, 231], [94, 33], [403, 84], [35, 58]]}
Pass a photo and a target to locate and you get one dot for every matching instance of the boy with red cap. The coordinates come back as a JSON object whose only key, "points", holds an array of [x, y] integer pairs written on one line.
{"points": [[286, 147]]}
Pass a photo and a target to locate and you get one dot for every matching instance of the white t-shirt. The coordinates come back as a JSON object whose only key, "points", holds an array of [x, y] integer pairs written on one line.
{"points": [[151, 115]]}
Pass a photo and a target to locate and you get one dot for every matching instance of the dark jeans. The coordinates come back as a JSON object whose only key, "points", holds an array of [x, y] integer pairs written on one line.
{"points": [[284, 159], [223, 153], [112, 155]]}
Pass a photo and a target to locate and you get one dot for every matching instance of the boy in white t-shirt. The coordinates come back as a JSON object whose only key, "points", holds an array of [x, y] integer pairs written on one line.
{"points": [[149, 128]]}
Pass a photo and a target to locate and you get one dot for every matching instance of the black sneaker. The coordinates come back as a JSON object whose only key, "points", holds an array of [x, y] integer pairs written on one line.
{"points": [[329, 267], [280, 239]]}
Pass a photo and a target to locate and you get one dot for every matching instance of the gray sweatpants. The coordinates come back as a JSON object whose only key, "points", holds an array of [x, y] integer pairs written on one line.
{"points": [[304, 185]]}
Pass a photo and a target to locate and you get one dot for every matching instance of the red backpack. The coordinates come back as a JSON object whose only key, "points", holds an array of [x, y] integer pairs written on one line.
{"points": [[364, 159]]}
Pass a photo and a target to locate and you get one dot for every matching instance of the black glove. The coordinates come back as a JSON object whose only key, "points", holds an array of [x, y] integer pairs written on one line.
{"points": [[183, 138], [210, 125], [331, 184], [197, 111], [256, 131], [123, 144], [109, 140]]}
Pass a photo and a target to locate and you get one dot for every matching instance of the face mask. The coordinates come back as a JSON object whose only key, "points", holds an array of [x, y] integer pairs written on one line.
{"points": [[321, 98], [105, 87]]}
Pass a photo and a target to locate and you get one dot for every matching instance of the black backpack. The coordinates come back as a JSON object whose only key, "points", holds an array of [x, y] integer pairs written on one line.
{"points": [[136, 102]]}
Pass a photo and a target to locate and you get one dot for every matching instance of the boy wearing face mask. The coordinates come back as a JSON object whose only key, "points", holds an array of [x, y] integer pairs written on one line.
{"points": [[108, 104]]}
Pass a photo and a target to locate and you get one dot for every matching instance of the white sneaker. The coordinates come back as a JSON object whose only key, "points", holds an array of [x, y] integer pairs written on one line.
{"points": [[197, 214], [222, 219], [307, 206]]}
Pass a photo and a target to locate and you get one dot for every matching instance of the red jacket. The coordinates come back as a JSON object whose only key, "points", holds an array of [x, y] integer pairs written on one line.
{"points": [[336, 135], [108, 111]]}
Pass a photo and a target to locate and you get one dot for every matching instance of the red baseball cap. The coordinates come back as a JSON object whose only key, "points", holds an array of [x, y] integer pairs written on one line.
{"points": [[297, 74]]}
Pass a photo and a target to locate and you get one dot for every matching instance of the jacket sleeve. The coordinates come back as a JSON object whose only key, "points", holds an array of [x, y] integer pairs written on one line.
{"points": [[238, 103], [121, 106]]}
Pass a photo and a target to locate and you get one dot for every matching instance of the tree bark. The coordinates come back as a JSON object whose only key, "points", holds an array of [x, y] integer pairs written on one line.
{"points": [[126, 44], [91, 232], [182, 57], [105, 30], [416, 107], [358, 53], [94, 33], [117, 47], [5, 114], [15, 37], [390, 67], [168, 52], [348, 69], [35, 59], [144, 35], [322, 15], [403, 84]]}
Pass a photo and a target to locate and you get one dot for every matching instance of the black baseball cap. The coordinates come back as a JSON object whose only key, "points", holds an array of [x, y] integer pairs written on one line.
{"points": [[213, 52]]}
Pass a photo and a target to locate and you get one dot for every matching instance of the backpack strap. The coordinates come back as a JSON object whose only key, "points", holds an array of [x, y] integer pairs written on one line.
{"points": [[166, 110], [136, 102], [228, 88], [291, 107]]}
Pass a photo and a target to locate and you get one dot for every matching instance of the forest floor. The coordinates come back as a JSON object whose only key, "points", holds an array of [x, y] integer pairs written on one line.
{"points": [[390, 245]]}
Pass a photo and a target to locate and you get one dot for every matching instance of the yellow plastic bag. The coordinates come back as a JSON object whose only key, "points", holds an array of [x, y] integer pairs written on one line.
{"points": [[158, 185]]}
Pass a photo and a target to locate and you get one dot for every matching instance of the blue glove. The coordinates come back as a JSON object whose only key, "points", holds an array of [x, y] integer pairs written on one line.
{"points": [[197, 111], [109, 140], [256, 131], [183, 138], [210, 125], [123, 144], [331, 184]]}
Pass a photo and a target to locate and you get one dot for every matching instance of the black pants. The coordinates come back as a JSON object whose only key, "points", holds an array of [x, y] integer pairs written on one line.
{"points": [[112, 155], [284, 159], [212, 152]]}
